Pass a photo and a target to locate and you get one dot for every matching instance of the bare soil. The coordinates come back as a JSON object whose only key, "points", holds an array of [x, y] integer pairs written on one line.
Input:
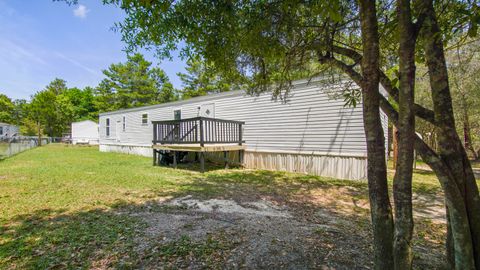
{"points": [[318, 230]]}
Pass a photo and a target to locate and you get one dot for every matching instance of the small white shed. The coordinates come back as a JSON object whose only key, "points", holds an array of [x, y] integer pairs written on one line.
{"points": [[8, 131], [85, 132]]}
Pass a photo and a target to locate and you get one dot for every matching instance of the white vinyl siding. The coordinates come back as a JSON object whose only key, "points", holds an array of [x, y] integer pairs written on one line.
{"points": [[310, 122]]}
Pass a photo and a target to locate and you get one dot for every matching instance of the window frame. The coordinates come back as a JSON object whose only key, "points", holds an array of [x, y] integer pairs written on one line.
{"points": [[146, 122], [107, 127], [177, 110], [124, 123]]}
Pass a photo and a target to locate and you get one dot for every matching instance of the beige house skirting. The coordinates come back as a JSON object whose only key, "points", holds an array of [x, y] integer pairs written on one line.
{"points": [[340, 167]]}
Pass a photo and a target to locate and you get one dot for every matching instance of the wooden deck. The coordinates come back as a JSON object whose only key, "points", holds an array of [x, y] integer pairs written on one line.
{"points": [[199, 148], [200, 135]]}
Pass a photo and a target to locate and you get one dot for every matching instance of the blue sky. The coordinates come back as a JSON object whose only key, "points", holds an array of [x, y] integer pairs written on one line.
{"points": [[41, 40]]}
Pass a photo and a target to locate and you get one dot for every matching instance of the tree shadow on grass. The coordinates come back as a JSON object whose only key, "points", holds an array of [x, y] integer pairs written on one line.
{"points": [[218, 182], [194, 166], [335, 197], [54, 239], [102, 238]]}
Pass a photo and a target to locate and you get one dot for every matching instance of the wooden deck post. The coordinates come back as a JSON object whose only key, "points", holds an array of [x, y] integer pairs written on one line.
{"points": [[225, 158], [240, 135], [240, 157], [202, 141], [155, 134], [202, 162], [154, 157], [174, 159]]}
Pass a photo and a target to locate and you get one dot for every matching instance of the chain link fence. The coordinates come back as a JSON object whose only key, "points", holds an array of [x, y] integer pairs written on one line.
{"points": [[13, 146]]}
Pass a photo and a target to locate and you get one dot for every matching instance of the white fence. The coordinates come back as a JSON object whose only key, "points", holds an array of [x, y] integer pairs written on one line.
{"points": [[16, 145]]}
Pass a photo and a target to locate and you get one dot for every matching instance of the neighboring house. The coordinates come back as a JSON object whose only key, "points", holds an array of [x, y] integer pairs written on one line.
{"points": [[84, 132], [8, 131], [311, 133]]}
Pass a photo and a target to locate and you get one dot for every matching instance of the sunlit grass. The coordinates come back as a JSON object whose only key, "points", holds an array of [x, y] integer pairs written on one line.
{"points": [[74, 178], [58, 203], [3, 149]]}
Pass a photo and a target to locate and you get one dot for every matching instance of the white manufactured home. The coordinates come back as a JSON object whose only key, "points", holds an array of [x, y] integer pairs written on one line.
{"points": [[8, 131], [85, 132], [312, 132]]}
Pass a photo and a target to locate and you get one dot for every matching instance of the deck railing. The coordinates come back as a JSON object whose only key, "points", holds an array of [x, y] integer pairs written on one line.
{"points": [[198, 130]]}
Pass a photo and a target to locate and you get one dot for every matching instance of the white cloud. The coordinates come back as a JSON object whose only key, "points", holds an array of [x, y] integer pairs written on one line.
{"points": [[81, 11]]}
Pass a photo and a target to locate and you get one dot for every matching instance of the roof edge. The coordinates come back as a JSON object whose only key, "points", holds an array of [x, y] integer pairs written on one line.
{"points": [[299, 82], [87, 120]]}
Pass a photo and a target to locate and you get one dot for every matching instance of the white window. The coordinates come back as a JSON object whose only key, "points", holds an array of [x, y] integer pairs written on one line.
{"points": [[177, 114], [107, 127], [124, 123], [145, 119]]}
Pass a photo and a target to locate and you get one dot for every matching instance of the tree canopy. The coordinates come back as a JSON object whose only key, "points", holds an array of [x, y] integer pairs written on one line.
{"points": [[265, 43], [51, 110], [134, 83], [6, 109], [201, 79]]}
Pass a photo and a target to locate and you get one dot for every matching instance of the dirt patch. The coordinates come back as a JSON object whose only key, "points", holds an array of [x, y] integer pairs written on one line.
{"points": [[191, 233], [258, 208], [429, 207], [352, 201]]}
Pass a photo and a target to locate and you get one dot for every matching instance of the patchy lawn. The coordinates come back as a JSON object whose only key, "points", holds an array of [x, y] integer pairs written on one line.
{"points": [[3, 149], [74, 207]]}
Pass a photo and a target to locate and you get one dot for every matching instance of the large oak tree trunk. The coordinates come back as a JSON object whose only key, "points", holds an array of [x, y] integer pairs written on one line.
{"points": [[451, 150], [462, 201], [449, 241], [456, 209], [402, 183], [395, 146], [381, 212]]}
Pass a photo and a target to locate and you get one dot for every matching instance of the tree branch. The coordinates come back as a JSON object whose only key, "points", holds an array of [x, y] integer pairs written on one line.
{"points": [[354, 75], [387, 108], [420, 111]]}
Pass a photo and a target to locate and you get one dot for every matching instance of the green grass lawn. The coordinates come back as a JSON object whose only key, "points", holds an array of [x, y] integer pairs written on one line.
{"points": [[3, 149], [56, 202]]}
